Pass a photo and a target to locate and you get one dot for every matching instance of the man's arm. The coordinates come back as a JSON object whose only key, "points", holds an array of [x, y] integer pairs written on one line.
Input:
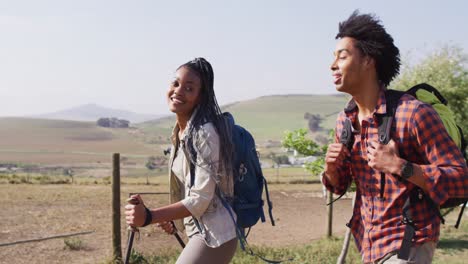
{"points": [[446, 175], [336, 174]]}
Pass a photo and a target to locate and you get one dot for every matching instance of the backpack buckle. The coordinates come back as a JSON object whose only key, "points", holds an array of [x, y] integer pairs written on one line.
{"points": [[407, 221], [242, 172]]}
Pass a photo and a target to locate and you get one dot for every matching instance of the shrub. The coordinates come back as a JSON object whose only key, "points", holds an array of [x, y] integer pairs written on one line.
{"points": [[73, 243]]}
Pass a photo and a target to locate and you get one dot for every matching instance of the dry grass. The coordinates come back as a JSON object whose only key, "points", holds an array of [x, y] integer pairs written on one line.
{"points": [[67, 142], [35, 211]]}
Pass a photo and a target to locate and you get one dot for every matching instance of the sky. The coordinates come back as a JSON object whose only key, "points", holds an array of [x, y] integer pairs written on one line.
{"points": [[123, 54]]}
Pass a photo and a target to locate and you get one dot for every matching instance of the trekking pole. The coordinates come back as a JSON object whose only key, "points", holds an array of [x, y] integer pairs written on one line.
{"points": [[460, 215], [132, 230], [181, 242]]}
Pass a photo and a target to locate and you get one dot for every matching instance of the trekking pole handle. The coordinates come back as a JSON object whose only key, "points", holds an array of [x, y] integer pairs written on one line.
{"points": [[132, 231], [133, 201]]}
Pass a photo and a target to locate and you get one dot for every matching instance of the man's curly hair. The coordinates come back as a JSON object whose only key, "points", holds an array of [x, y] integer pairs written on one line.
{"points": [[373, 41]]}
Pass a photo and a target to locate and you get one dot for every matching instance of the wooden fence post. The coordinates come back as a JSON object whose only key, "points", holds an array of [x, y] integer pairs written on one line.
{"points": [[329, 214], [116, 237]]}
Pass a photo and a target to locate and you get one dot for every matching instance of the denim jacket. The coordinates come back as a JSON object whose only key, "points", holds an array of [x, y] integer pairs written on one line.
{"points": [[200, 199]]}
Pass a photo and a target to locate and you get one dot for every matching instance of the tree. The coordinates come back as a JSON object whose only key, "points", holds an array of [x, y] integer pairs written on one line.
{"points": [[313, 121], [298, 141], [446, 69]]}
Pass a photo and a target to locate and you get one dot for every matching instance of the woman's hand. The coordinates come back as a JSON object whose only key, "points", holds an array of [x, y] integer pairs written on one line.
{"points": [[135, 212], [168, 227]]}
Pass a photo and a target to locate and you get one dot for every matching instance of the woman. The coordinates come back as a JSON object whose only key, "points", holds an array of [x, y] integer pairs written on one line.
{"points": [[200, 137]]}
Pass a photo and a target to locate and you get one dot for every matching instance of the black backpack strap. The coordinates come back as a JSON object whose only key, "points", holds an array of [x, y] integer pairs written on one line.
{"points": [[347, 139], [415, 196], [385, 122], [428, 88], [410, 230], [463, 150]]}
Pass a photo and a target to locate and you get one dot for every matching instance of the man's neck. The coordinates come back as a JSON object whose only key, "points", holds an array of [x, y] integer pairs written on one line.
{"points": [[367, 98]]}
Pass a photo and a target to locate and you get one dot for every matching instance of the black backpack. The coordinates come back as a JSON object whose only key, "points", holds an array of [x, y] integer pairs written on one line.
{"points": [[384, 130]]}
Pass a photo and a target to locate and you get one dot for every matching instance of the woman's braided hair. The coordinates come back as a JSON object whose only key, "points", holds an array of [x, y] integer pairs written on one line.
{"points": [[209, 111]]}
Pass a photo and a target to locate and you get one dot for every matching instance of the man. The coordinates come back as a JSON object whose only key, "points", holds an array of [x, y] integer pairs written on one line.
{"points": [[420, 157]]}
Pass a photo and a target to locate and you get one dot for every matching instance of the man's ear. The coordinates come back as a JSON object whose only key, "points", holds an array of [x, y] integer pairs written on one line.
{"points": [[369, 62]]}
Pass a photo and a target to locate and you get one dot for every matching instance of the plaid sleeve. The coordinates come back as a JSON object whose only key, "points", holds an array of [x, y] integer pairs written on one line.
{"points": [[344, 172], [446, 173]]}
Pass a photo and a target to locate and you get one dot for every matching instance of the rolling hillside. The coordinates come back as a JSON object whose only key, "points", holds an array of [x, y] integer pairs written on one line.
{"points": [[71, 142], [65, 142], [268, 117]]}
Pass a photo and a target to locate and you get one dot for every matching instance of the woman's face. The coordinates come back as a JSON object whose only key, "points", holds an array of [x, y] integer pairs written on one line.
{"points": [[184, 92]]}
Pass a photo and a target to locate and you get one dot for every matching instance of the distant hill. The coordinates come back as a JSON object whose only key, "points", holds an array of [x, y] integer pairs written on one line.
{"points": [[92, 112], [32, 140], [267, 117]]}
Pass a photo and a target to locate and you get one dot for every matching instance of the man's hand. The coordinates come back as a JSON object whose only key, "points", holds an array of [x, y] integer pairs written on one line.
{"points": [[335, 158], [383, 158]]}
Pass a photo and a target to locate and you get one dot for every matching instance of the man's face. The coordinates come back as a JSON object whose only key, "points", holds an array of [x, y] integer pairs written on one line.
{"points": [[349, 67]]}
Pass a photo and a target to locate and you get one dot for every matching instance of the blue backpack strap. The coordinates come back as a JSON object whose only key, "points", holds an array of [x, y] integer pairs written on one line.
{"points": [[241, 234], [270, 204], [193, 154]]}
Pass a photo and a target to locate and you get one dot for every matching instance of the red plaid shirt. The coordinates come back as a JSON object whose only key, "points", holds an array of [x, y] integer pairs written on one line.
{"points": [[422, 139]]}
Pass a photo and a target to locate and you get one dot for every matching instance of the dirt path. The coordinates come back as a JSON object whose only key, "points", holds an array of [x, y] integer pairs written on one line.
{"points": [[34, 211]]}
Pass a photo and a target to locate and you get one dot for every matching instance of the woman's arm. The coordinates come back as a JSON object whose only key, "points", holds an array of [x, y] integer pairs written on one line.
{"points": [[136, 213]]}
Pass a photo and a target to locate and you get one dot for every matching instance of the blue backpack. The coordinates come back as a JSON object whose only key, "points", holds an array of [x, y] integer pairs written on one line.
{"points": [[248, 179], [247, 202]]}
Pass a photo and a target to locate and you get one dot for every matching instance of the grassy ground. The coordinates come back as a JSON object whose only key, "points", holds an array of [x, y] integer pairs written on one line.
{"points": [[452, 248], [453, 245], [39, 210], [325, 250]]}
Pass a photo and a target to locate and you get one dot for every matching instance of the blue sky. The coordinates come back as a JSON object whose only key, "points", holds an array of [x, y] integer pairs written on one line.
{"points": [[122, 54]]}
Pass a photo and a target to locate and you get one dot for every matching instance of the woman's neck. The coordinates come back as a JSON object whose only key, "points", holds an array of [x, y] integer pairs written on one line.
{"points": [[182, 121]]}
